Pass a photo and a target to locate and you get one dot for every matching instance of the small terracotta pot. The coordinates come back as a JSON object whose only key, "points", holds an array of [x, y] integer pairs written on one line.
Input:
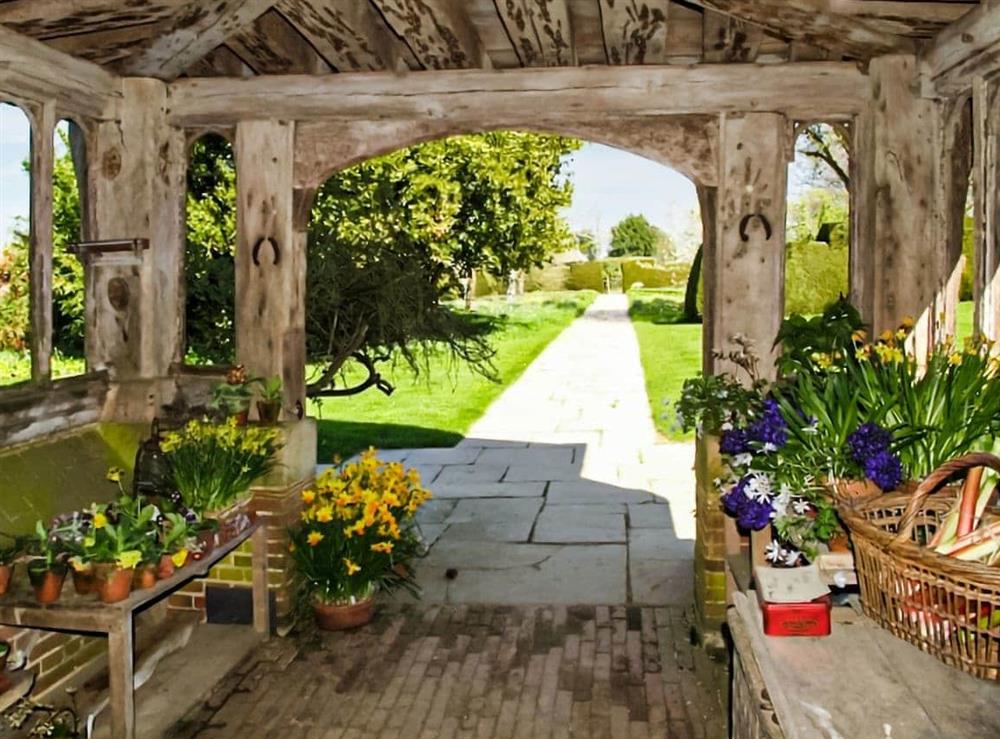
{"points": [[330, 617], [206, 543], [144, 577], [114, 584], [6, 571], [268, 411], [839, 543], [85, 581], [165, 569], [242, 417], [48, 583]]}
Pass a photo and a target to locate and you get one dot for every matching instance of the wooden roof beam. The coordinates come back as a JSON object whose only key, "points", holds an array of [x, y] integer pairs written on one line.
{"points": [[33, 71], [728, 39], [635, 31], [350, 35], [45, 19], [967, 47], [271, 45], [438, 32], [540, 31], [826, 90], [815, 22], [195, 32]]}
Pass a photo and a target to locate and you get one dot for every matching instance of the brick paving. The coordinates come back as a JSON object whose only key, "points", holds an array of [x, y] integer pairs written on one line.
{"points": [[476, 671]]}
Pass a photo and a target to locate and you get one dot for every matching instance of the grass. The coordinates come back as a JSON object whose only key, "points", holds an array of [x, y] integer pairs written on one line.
{"points": [[15, 367], [670, 351], [438, 407]]}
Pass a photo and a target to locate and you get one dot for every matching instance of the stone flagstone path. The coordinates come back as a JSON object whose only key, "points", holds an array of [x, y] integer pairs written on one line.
{"points": [[560, 493]]}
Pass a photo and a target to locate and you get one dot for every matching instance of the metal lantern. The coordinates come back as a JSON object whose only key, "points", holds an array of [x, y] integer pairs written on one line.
{"points": [[152, 475]]}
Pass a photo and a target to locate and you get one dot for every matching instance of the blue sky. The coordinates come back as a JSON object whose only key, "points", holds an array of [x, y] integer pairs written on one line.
{"points": [[14, 184]]}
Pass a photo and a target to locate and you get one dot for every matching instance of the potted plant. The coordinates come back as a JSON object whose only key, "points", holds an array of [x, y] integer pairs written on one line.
{"points": [[9, 553], [215, 464], [47, 568], [174, 544], [121, 532], [232, 397], [271, 396], [357, 536]]}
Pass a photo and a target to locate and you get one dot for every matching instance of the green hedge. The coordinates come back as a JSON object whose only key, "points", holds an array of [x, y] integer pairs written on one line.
{"points": [[816, 274], [586, 276], [551, 278], [673, 275]]}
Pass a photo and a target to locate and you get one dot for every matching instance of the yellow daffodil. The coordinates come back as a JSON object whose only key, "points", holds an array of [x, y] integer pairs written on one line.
{"points": [[886, 335], [859, 336], [383, 546], [351, 566], [78, 564], [115, 474], [100, 520], [308, 496], [324, 514], [955, 359], [907, 323], [179, 557], [314, 538]]}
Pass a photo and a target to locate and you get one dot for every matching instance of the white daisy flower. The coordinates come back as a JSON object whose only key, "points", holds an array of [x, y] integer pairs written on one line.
{"points": [[801, 507], [774, 553]]}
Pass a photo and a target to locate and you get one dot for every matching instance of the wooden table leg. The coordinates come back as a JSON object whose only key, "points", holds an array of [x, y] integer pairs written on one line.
{"points": [[120, 672], [261, 597]]}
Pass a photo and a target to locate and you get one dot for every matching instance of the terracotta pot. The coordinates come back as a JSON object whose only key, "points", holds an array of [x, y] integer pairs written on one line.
{"points": [[47, 583], [85, 581], [839, 543], [268, 411], [165, 569], [206, 543], [242, 417], [330, 617], [114, 584], [6, 571], [144, 577]]}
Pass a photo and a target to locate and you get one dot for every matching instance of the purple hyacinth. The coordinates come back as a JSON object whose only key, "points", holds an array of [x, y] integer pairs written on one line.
{"points": [[867, 441], [770, 428], [734, 441], [884, 469], [755, 515], [734, 500]]}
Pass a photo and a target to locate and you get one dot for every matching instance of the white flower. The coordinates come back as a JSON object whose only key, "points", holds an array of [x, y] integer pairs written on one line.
{"points": [[769, 447], [801, 507], [759, 488], [774, 553], [727, 426], [780, 503], [742, 460], [791, 557], [812, 428]]}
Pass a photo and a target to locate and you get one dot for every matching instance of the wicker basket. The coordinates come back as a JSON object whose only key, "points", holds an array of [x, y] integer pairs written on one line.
{"points": [[947, 607]]}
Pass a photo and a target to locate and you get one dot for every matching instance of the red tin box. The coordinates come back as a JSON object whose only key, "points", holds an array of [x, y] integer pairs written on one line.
{"points": [[797, 619]]}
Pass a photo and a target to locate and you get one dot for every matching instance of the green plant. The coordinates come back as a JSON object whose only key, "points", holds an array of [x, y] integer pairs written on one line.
{"points": [[817, 343], [48, 549], [270, 388], [358, 531], [10, 551], [234, 395], [214, 464], [123, 533]]}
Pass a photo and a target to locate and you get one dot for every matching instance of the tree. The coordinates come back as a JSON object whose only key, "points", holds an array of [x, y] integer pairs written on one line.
{"points": [[828, 148], [587, 243], [634, 236]]}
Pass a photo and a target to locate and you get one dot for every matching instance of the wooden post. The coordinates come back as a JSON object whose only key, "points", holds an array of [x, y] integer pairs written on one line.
{"points": [[270, 259], [261, 596], [121, 676], [861, 261], [42, 159], [986, 254]]}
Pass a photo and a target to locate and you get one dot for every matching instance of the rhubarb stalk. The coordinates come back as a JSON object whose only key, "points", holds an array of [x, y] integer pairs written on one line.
{"points": [[970, 496]]}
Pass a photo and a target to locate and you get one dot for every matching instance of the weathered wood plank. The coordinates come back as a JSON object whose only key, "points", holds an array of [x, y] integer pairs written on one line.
{"points": [[815, 22], [196, 31], [540, 30], [121, 679], [907, 18], [986, 172], [727, 39], [47, 19], [40, 252], [31, 70], [970, 46], [351, 36], [220, 62], [271, 45], [438, 31], [810, 91], [106, 47], [688, 144], [635, 31]]}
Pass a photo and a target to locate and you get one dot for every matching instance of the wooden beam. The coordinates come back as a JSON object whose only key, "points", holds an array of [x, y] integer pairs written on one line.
{"points": [[196, 31], [271, 45], [220, 62], [438, 31], [906, 17], [350, 35], [33, 71], [824, 90], [966, 48], [540, 30], [727, 39], [815, 22], [108, 46], [635, 31], [46, 19], [40, 253]]}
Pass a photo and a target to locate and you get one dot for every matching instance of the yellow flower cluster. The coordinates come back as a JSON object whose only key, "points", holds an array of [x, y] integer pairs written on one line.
{"points": [[368, 497], [888, 348], [256, 440]]}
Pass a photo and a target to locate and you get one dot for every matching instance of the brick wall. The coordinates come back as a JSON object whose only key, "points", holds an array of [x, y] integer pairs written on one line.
{"points": [[710, 543]]}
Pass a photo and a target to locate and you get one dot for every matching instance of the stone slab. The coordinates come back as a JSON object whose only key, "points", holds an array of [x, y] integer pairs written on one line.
{"points": [[552, 456], [443, 456], [462, 474], [578, 524], [659, 582], [492, 519], [660, 545], [542, 473], [588, 491], [653, 515], [490, 490], [435, 511]]}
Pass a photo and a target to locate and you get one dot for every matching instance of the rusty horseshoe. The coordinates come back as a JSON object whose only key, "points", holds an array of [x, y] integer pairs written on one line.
{"points": [[274, 248], [745, 221]]}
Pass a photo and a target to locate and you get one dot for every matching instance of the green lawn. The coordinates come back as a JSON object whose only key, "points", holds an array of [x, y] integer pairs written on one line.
{"points": [[437, 408], [670, 351], [16, 367]]}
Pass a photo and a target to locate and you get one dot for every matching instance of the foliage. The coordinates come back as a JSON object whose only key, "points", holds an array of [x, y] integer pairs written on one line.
{"points": [[123, 533], [233, 395], [214, 464], [587, 243], [832, 334], [634, 235], [694, 280], [358, 531], [672, 275], [815, 275], [11, 547], [827, 148]]}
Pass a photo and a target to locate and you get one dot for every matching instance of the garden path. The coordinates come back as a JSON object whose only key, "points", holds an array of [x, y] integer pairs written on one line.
{"points": [[560, 494]]}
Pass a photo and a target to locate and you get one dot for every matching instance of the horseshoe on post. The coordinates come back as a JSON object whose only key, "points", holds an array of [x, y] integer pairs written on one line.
{"points": [[745, 221], [274, 248]]}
